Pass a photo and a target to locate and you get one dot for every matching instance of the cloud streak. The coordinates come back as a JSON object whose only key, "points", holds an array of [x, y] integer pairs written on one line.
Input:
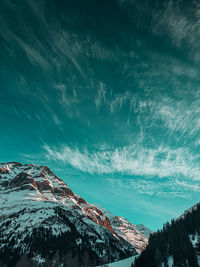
{"points": [[169, 188], [101, 96], [131, 160], [181, 25]]}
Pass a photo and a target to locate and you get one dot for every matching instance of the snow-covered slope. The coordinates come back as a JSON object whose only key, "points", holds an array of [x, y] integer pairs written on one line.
{"points": [[42, 220], [144, 230], [127, 230], [123, 263]]}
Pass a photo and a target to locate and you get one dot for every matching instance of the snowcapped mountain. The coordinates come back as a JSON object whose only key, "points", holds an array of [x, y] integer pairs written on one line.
{"points": [[127, 230], [43, 222]]}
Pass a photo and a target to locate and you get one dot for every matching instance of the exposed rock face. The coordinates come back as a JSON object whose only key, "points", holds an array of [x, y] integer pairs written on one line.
{"points": [[43, 222], [127, 230]]}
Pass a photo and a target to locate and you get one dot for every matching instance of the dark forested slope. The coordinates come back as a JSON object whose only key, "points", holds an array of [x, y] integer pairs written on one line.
{"points": [[177, 244]]}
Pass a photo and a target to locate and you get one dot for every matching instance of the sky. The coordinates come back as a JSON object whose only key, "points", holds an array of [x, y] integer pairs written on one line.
{"points": [[106, 94]]}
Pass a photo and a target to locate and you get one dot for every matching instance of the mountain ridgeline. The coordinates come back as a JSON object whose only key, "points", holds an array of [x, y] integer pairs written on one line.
{"points": [[43, 223], [177, 244]]}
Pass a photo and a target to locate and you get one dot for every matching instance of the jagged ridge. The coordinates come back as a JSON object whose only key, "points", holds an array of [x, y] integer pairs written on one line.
{"points": [[42, 219], [128, 231]]}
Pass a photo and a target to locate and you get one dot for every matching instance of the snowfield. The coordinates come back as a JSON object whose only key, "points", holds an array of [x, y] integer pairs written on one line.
{"points": [[123, 263]]}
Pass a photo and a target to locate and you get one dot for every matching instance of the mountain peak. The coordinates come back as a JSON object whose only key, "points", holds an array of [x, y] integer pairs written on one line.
{"points": [[40, 207]]}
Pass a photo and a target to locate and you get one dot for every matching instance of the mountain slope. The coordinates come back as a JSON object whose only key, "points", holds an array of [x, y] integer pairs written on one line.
{"points": [[127, 230], [43, 222], [177, 244], [145, 231]]}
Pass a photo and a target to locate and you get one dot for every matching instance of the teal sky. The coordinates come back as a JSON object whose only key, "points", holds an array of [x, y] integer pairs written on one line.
{"points": [[107, 94]]}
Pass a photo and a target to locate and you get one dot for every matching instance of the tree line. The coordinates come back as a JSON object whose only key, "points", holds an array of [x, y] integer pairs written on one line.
{"points": [[174, 241]]}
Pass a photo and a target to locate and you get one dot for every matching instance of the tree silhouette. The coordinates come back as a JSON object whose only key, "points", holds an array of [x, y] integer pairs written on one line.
{"points": [[173, 240]]}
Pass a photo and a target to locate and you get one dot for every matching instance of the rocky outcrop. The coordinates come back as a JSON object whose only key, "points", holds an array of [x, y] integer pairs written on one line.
{"points": [[126, 230]]}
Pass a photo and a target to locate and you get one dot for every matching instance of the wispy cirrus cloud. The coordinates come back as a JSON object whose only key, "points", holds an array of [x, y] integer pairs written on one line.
{"points": [[66, 99], [169, 188], [181, 24], [131, 100], [119, 100], [101, 95], [178, 116], [177, 22], [131, 160]]}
